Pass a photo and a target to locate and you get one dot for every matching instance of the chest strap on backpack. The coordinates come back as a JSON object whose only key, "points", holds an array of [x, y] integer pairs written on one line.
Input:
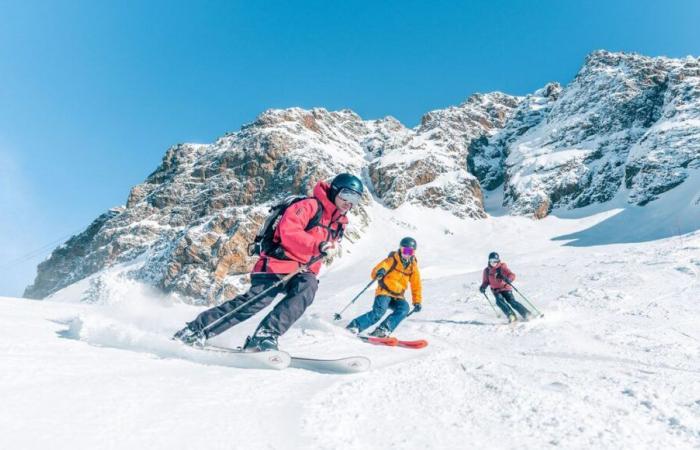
{"points": [[381, 280]]}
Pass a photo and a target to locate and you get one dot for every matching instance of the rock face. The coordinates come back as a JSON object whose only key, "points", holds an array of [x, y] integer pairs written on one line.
{"points": [[487, 154], [428, 165], [627, 125], [186, 229]]}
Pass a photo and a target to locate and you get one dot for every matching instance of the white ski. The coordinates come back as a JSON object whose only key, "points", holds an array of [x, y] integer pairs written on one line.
{"points": [[271, 359], [351, 364]]}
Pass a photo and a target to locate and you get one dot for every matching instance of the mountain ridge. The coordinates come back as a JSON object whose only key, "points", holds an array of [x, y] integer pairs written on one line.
{"points": [[625, 123]]}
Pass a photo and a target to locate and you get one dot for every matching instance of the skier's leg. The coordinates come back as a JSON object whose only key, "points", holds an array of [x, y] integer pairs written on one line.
{"points": [[381, 303], [301, 291], [260, 282], [516, 305], [501, 303], [400, 310]]}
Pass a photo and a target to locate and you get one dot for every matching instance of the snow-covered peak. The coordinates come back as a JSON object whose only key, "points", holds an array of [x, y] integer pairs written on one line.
{"points": [[427, 165], [187, 227], [626, 122], [627, 125]]}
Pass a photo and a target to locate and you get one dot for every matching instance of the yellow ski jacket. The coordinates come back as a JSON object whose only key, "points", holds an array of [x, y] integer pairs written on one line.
{"points": [[398, 277]]}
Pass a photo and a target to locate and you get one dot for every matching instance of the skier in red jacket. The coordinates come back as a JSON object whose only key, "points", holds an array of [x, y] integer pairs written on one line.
{"points": [[499, 277], [294, 245]]}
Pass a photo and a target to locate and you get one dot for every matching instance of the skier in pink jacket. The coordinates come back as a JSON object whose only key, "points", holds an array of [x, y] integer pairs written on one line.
{"points": [[307, 229], [499, 277]]}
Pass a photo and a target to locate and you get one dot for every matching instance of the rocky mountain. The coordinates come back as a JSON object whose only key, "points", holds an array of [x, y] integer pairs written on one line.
{"points": [[427, 165], [626, 125], [487, 154], [187, 227]]}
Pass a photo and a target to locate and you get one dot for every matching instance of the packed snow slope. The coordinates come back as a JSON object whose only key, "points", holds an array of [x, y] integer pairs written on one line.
{"points": [[613, 364]]}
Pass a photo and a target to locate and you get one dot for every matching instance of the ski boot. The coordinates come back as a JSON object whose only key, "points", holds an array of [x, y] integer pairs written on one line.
{"points": [[257, 343], [354, 329], [512, 318], [190, 337], [380, 332]]}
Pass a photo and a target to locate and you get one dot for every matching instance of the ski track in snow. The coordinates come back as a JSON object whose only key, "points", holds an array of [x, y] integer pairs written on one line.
{"points": [[613, 364]]}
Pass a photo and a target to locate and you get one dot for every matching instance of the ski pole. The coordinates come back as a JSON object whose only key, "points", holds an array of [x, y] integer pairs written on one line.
{"points": [[521, 294], [491, 304], [337, 316], [286, 278]]}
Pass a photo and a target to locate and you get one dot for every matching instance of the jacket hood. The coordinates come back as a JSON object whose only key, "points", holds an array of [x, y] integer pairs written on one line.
{"points": [[330, 212]]}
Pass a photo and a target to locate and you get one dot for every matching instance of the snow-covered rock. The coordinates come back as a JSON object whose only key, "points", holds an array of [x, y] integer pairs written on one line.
{"points": [[186, 229], [625, 122], [627, 125], [487, 154], [428, 166], [190, 222]]}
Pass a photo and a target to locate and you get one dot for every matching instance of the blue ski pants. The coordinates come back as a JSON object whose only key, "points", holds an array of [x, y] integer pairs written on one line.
{"points": [[399, 312]]}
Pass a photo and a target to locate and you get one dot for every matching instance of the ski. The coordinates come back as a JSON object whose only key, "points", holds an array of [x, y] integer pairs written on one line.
{"points": [[394, 342], [351, 364], [420, 343], [270, 359], [278, 359], [389, 341]]}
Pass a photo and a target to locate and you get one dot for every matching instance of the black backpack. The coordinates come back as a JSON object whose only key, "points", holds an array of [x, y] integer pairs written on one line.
{"points": [[264, 238]]}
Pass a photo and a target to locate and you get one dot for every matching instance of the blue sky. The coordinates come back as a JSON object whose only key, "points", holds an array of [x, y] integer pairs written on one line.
{"points": [[92, 93]]}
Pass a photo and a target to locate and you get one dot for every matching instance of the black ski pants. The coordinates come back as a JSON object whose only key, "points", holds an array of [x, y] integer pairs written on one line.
{"points": [[507, 302], [299, 293]]}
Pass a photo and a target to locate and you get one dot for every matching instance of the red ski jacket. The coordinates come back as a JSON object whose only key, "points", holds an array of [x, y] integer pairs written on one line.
{"points": [[489, 278], [299, 245]]}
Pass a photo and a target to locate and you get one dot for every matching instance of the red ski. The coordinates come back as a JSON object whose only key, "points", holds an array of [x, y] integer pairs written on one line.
{"points": [[394, 342], [390, 341], [420, 343]]}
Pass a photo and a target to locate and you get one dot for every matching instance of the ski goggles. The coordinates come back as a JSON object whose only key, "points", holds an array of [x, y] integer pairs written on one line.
{"points": [[407, 251], [350, 196], [494, 261]]}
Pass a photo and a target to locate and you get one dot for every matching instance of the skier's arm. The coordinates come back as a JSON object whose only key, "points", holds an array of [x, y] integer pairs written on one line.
{"points": [[416, 286], [484, 279], [507, 273], [384, 264], [295, 240]]}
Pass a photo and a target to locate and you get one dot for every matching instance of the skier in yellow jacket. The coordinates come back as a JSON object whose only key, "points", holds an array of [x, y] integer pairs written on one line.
{"points": [[393, 274]]}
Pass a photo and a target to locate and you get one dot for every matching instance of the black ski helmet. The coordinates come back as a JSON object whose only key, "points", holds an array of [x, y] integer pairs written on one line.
{"points": [[345, 181], [408, 242], [494, 255]]}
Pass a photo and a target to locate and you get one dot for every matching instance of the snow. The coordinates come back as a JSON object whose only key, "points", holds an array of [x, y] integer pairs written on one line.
{"points": [[613, 364]]}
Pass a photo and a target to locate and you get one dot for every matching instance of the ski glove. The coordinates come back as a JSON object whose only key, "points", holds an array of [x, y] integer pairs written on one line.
{"points": [[500, 276], [324, 247], [417, 307], [380, 273], [482, 289]]}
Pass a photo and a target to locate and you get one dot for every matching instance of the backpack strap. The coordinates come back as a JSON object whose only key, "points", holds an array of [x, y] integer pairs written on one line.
{"points": [[276, 251], [336, 234], [316, 219], [381, 280]]}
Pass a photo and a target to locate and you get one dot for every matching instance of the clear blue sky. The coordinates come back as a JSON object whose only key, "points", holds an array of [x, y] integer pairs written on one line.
{"points": [[93, 92]]}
